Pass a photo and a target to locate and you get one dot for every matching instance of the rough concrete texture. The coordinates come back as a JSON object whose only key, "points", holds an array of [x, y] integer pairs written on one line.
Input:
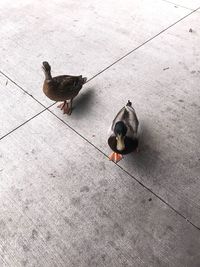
{"points": [[75, 36], [194, 4], [62, 202], [17, 107]]}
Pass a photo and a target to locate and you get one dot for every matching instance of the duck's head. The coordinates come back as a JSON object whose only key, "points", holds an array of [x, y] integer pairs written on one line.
{"points": [[46, 67], [120, 131]]}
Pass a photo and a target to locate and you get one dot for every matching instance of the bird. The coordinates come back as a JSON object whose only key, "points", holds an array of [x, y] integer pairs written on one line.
{"points": [[123, 133], [62, 88]]}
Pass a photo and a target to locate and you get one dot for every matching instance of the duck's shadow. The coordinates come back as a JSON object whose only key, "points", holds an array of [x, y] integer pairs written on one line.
{"points": [[146, 160], [83, 102]]}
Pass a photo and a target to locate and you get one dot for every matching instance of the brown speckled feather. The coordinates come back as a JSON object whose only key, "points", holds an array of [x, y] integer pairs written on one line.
{"points": [[63, 87]]}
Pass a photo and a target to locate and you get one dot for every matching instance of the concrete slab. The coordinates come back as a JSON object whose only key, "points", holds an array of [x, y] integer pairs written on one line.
{"points": [[162, 80], [77, 37], [186, 3], [63, 204], [16, 106]]}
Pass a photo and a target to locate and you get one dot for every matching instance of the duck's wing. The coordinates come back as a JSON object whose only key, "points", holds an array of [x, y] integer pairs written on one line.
{"points": [[131, 120], [128, 115], [117, 118], [67, 82]]}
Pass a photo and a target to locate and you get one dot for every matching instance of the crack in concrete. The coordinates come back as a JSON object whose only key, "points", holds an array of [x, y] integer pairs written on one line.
{"points": [[147, 41], [177, 5], [129, 174], [19, 126]]}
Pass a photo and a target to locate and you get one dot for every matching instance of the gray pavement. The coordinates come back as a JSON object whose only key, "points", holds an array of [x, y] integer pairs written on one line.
{"points": [[62, 202]]}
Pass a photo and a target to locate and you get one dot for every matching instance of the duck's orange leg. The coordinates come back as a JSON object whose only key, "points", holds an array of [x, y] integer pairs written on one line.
{"points": [[65, 107], [62, 105], [70, 107], [115, 157]]}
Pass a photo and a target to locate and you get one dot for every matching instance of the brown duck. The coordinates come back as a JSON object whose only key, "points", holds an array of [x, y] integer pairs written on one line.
{"points": [[62, 88], [123, 134]]}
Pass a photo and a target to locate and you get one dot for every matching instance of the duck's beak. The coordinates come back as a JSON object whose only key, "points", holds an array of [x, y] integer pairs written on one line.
{"points": [[120, 142]]}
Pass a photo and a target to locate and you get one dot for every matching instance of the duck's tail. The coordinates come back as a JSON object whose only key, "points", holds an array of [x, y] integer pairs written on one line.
{"points": [[84, 80], [129, 104]]}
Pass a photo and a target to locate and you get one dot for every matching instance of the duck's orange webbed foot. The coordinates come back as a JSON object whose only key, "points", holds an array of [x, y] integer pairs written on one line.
{"points": [[65, 107], [115, 157]]}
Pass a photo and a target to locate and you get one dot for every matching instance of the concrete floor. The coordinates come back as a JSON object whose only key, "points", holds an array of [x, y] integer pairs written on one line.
{"points": [[62, 202]]}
